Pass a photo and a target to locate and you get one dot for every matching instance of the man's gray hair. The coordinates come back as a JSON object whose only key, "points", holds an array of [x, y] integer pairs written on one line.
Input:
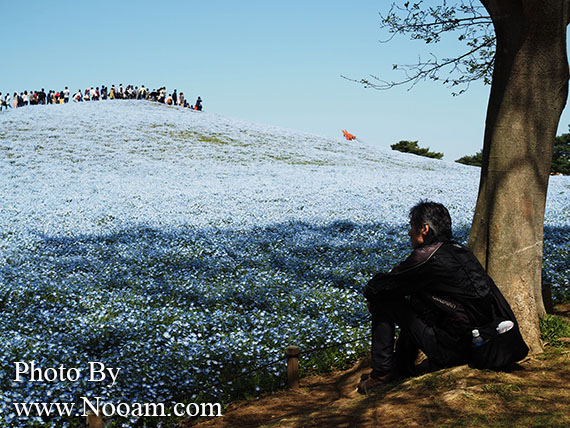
{"points": [[436, 216]]}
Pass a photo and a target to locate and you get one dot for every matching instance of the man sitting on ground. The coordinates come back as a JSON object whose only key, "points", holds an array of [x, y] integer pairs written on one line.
{"points": [[436, 296]]}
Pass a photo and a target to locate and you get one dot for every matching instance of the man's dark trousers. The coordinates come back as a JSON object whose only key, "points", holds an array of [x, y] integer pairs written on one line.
{"points": [[441, 348]]}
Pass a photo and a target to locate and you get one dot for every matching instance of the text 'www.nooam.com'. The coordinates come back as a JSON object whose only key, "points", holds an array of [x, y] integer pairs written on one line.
{"points": [[96, 406]]}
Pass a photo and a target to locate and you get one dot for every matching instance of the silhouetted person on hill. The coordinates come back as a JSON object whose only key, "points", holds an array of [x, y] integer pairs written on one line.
{"points": [[162, 95], [198, 105], [42, 96]]}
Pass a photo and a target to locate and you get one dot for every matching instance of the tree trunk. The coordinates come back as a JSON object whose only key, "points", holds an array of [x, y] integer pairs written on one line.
{"points": [[528, 94]]}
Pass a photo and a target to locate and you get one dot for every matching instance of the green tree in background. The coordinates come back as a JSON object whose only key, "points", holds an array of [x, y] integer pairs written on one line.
{"points": [[475, 160], [412, 147], [561, 155]]}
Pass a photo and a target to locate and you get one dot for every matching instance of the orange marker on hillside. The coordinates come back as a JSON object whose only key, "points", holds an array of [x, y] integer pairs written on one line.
{"points": [[348, 135]]}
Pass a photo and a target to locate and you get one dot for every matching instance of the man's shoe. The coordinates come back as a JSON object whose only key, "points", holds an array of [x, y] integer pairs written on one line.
{"points": [[373, 382]]}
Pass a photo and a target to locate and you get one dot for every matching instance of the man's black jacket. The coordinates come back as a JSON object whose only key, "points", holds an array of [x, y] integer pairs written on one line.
{"points": [[445, 284]]}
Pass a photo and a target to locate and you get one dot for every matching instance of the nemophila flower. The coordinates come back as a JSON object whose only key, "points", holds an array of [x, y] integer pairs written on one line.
{"points": [[190, 249]]}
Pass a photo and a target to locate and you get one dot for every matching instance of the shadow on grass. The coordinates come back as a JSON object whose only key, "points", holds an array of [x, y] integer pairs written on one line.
{"points": [[155, 272], [163, 260], [556, 261], [179, 265]]}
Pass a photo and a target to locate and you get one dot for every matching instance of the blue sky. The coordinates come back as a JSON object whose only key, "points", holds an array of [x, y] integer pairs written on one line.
{"points": [[277, 63]]}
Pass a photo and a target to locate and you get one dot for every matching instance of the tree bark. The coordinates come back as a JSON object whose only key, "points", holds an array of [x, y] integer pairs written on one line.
{"points": [[528, 93]]}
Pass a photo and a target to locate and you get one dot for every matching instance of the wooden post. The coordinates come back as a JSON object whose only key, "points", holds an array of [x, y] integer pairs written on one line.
{"points": [[94, 420], [292, 353]]}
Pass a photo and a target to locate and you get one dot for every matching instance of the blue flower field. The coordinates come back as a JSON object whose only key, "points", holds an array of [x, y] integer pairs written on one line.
{"points": [[189, 248]]}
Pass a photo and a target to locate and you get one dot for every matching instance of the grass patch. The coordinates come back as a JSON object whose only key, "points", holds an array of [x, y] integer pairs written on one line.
{"points": [[214, 138], [504, 391], [437, 382], [553, 328]]}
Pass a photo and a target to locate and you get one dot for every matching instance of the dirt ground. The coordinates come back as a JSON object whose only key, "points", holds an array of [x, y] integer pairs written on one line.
{"points": [[535, 394]]}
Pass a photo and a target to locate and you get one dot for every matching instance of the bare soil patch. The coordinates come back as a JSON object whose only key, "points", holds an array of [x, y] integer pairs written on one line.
{"points": [[535, 394]]}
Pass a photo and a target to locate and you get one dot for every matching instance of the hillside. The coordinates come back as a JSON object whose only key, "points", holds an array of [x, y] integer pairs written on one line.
{"points": [[187, 248], [161, 157], [165, 155]]}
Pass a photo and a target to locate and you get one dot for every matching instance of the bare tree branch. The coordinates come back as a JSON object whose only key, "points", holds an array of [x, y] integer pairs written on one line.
{"points": [[465, 18]]}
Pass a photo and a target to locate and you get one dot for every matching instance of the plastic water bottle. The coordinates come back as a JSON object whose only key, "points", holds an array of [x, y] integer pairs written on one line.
{"points": [[505, 326], [477, 339]]}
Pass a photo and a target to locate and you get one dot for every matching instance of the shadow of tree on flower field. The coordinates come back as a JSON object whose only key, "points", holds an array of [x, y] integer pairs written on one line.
{"points": [[195, 304]]}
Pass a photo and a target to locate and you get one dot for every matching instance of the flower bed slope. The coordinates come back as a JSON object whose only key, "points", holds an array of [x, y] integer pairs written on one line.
{"points": [[187, 248]]}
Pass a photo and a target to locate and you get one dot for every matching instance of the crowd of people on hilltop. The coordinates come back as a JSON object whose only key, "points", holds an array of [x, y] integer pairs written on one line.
{"points": [[95, 94]]}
